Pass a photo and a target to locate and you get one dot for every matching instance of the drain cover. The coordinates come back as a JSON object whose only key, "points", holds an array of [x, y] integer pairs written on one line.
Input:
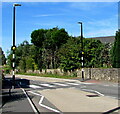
{"points": [[92, 95]]}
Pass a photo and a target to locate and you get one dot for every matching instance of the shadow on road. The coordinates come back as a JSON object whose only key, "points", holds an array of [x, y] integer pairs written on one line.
{"points": [[111, 111], [16, 94]]}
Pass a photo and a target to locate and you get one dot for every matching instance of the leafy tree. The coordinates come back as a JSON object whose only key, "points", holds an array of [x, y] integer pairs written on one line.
{"points": [[47, 43], [55, 38], [2, 57], [69, 55], [30, 63], [92, 56], [22, 64], [37, 38], [105, 55]]}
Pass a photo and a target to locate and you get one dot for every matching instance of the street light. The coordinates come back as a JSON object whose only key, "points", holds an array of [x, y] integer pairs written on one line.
{"points": [[14, 47], [82, 52]]}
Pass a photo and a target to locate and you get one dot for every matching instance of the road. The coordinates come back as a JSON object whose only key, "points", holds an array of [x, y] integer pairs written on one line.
{"points": [[104, 89], [62, 95]]}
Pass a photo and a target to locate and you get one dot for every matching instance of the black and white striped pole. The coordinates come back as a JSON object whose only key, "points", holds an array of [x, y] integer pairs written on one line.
{"points": [[82, 51], [14, 47]]}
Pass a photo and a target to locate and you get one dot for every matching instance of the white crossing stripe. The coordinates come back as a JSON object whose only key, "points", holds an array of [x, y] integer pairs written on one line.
{"points": [[60, 84], [13, 64], [13, 56], [73, 84], [13, 72], [34, 86], [48, 85]]}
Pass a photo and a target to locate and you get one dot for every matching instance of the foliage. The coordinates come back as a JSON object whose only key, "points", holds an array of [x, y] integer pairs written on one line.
{"points": [[47, 43], [2, 57], [54, 48], [115, 51], [69, 55], [92, 50]]}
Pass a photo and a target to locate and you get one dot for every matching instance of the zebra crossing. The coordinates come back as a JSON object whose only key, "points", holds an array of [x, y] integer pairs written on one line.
{"points": [[53, 85]]}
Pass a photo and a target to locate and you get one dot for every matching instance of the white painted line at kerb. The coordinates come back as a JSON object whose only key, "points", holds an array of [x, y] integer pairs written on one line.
{"points": [[73, 84], [41, 100], [30, 102], [60, 84], [86, 83], [89, 90], [48, 85], [34, 86]]}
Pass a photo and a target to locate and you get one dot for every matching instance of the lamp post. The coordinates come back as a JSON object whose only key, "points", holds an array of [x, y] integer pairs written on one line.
{"points": [[14, 47], [82, 52]]}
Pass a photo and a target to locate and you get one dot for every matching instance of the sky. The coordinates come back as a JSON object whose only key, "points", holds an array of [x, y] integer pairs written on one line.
{"points": [[98, 18]]}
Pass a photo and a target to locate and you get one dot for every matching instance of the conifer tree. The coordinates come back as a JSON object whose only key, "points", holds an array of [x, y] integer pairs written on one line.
{"points": [[116, 51]]}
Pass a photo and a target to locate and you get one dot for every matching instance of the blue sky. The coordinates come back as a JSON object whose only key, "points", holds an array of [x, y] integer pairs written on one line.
{"points": [[99, 19]]}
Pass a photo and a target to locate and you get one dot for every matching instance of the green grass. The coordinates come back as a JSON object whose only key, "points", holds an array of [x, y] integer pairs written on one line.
{"points": [[49, 75]]}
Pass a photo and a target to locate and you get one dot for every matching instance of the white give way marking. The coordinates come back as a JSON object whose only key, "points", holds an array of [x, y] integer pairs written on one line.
{"points": [[41, 100]]}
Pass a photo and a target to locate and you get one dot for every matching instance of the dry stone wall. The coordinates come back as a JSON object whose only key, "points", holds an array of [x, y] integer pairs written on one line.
{"points": [[106, 74]]}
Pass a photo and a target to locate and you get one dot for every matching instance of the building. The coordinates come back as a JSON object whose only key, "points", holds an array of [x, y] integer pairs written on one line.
{"points": [[105, 39]]}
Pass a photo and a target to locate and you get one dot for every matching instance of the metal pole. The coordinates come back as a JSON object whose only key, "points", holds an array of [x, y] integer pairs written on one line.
{"points": [[14, 47], [82, 52], [13, 64], [82, 58]]}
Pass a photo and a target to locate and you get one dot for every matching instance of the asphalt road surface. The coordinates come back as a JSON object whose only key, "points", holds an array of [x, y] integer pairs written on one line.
{"points": [[37, 102], [104, 89]]}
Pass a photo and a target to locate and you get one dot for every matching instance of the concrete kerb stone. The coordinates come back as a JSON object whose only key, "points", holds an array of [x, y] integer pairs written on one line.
{"points": [[47, 78]]}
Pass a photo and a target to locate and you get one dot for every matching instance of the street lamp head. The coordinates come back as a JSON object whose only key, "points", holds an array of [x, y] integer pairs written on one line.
{"points": [[16, 4], [79, 22]]}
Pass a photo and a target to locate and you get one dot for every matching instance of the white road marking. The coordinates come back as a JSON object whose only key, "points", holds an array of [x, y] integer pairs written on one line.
{"points": [[48, 85], [73, 84], [60, 84], [41, 100], [34, 86], [87, 83], [30, 101], [34, 93], [94, 91]]}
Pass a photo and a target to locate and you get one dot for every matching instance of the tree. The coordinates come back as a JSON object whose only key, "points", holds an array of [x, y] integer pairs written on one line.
{"points": [[69, 55], [92, 56], [55, 38], [2, 57], [116, 50], [47, 43], [37, 38], [105, 55]]}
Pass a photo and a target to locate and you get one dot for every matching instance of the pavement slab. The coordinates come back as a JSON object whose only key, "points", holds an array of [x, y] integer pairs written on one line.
{"points": [[73, 100]]}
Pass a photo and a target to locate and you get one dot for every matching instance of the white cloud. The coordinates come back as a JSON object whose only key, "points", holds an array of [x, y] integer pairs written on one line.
{"points": [[90, 6], [103, 27], [101, 32], [48, 15]]}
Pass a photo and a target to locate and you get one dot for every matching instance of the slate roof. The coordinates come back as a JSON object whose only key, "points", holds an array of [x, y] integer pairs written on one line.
{"points": [[105, 39]]}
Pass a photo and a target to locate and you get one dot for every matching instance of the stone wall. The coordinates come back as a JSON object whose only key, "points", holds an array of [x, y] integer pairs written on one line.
{"points": [[106, 74]]}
